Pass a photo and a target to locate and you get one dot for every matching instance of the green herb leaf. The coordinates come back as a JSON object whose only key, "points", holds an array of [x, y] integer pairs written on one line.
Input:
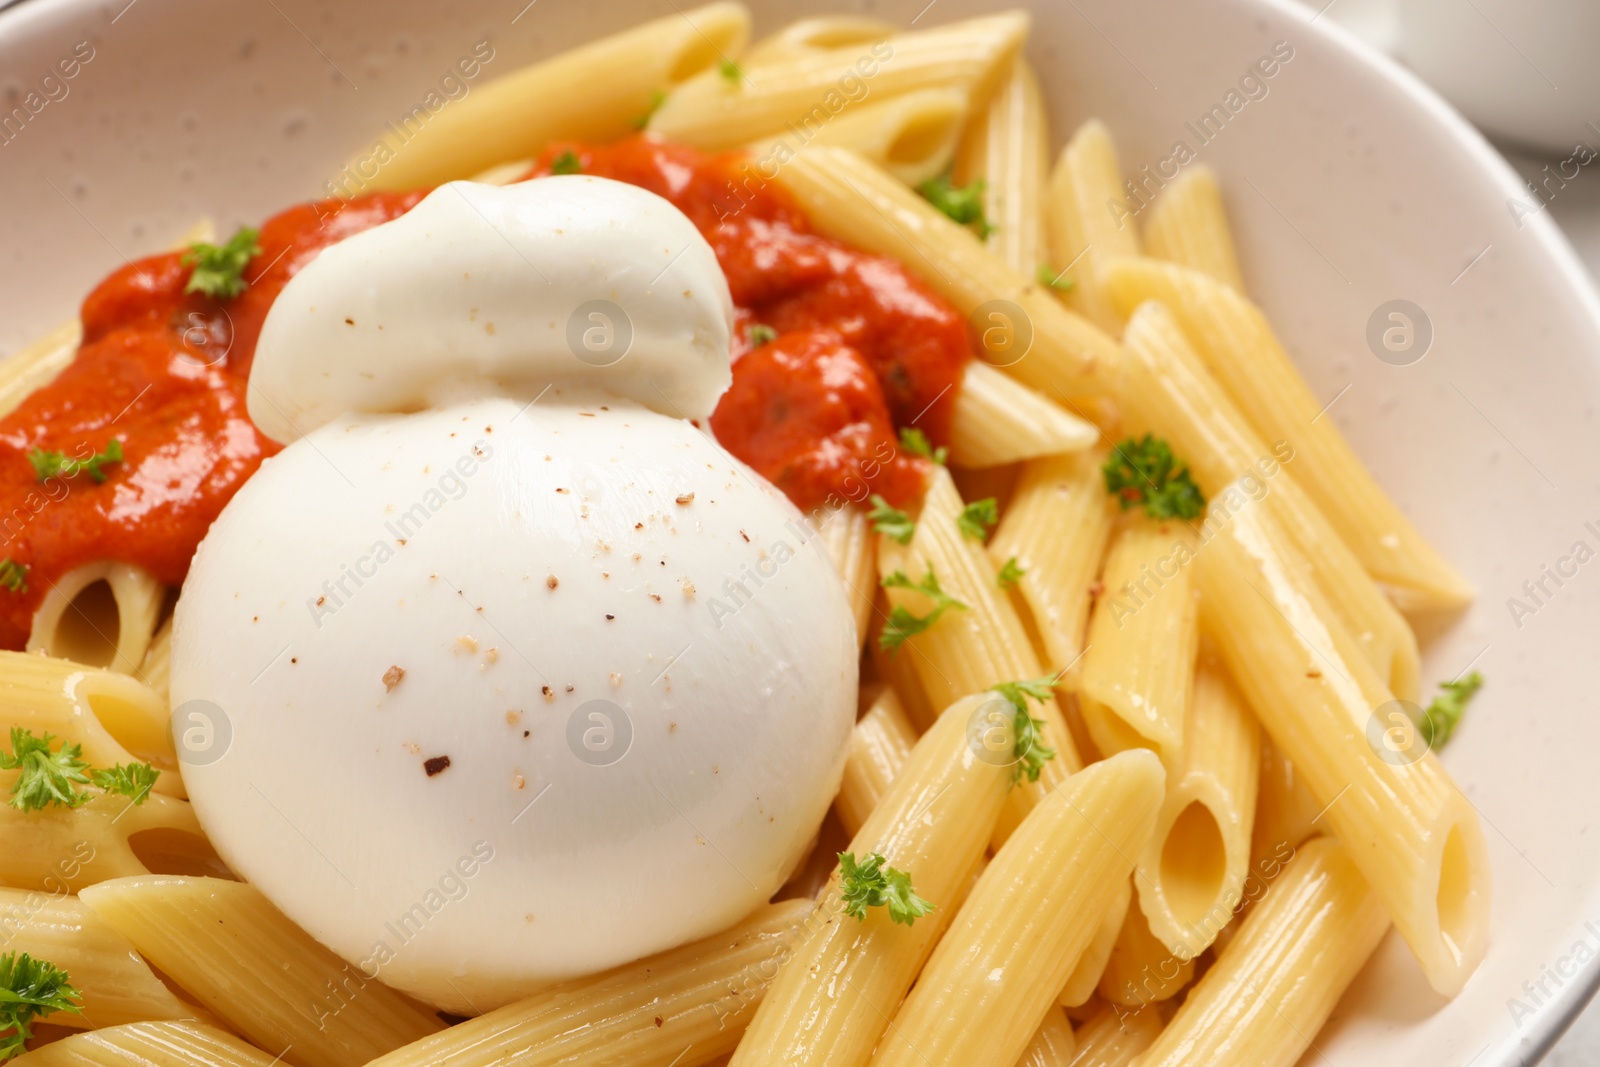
{"points": [[964, 203], [1144, 471], [1010, 573], [14, 575], [870, 884], [29, 988], [916, 442], [1055, 279], [1030, 751], [903, 623], [566, 163], [47, 777], [48, 465], [1443, 715], [730, 71], [657, 98], [761, 334], [132, 780], [219, 269], [978, 517], [891, 521]]}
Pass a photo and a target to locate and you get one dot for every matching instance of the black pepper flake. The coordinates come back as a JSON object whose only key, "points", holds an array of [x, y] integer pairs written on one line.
{"points": [[435, 765], [658, 1020], [685, 498], [610, 617], [745, 536], [526, 733]]}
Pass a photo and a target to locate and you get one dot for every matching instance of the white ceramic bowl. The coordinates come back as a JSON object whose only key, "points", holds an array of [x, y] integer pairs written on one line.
{"points": [[1350, 186]]}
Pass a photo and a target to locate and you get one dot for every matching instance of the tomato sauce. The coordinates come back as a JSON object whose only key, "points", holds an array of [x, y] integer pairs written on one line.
{"points": [[163, 373]]}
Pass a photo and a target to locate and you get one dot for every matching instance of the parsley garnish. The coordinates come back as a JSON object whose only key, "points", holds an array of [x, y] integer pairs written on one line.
{"points": [[730, 70], [1029, 751], [58, 464], [916, 442], [963, 203], [1443, 715], [1055, 279], [14, 575], [761, 334], [657, 98], [891, 521], [977, 517], [1010, 573], [47, 777], [566, 163], [219, 269], [1144, 472], [132, 780], [902, 623], [869, 884], [29, 988]]}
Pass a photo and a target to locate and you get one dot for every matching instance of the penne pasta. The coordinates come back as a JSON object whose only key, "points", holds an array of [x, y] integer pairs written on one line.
{"points": [[63, 850], [1141, 970], [847, 537], [912, 136], [1191, 875], [1021, 329], [515, 116], [1263, 1002], [1056, 528], [1053, 1044], [1006, 148], [820, 33], [117, 986], [807, 91], [1138, 665], [1188, 226], [899, 671], [1285, 808], [1114, 1036], [879, 747], [1241, 351], [225, 945], [835, 997], [102, 614], [1085, 977], [1166, 389], [681, 1008], [1085, 231], [1034, 910], [150, 1044], [36, 365], [1412, 832], [997, 421], [156, 670]]}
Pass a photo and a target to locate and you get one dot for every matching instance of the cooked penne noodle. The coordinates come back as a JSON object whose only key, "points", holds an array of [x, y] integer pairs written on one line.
{"points": [[1412, 832], [153, 1044], [879, 747], [1138, 665], [1085, 232], [833, 999], [807, 91], [899, 670], [1263, 1002], [1285, 808], [517, 115], [63, 850], [1191, 876], [818, 34], [912, 136], [1021, 329], [847, 537], [1165, 388], [1053, 1044], [117, 986], [504, 173], [686, 1006], [1141, 970], [116, 719], [1056, 527], [1189, 227], [37, 364], [1085, 977], [1035, 909], [156, 670], [1114, 1036], [226, 946], [1006, 147], [102, 614], [1240, 349], [969, 650], [998, 420]]}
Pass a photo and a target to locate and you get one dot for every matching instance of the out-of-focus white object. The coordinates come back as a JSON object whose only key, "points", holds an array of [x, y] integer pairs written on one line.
{"points": [[1522, 70]]}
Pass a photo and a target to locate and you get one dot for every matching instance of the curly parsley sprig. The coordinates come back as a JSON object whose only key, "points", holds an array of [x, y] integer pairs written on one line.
{"points": [[1010, 573], [30, 988], [54, 776], [961, 203], [48, 465], [903, 623], [978, 518], [1030, 751], [1441, 717], [870, 884], [1144, 471], [891, 521], [916, 442], [219, 269]]}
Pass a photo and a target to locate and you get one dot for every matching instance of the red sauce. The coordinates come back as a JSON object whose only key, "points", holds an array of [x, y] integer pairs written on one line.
{"points": [[164, 373], [864, 346]]}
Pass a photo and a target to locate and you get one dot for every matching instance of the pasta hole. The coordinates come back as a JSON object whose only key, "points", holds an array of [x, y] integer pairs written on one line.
{"points": [[165, 850], [135, 716], [89, 626], [1193, 864], [1454, 898]]}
